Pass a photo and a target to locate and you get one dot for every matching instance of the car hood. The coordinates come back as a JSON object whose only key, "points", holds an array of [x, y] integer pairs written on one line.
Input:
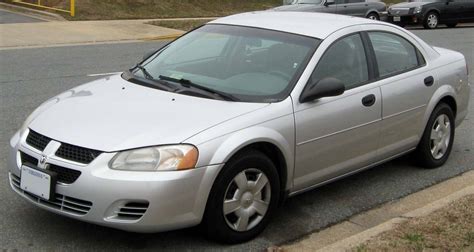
{"points": [[298, 7], [113, 114], [409, 5]]}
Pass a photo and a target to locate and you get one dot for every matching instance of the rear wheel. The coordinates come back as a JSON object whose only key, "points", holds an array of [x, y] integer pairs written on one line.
{"points": [[373, 16], [431, 20], [437, 141], [242, 199], [451, 25]]}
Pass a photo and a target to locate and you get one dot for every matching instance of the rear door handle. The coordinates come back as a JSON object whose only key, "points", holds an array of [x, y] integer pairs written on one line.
{"points": [[429, 81], [368, 100]]}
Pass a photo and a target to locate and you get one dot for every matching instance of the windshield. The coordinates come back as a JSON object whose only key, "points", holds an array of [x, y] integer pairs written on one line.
{"points": [[247, 63], [306, 2]]}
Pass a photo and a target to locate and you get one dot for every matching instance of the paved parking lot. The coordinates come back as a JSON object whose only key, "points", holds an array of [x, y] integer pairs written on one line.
{"points": [[30, 76]]}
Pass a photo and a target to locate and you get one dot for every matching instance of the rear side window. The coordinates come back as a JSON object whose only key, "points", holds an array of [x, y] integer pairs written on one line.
{"points": [[344, 60], [394, 54]]}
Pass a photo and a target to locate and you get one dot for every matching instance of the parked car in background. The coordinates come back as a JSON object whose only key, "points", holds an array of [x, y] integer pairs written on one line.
{"points": [[431, 13], [372, 9], [221, 125]]}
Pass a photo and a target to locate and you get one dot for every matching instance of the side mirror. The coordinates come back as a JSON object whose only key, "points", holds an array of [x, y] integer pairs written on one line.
{"points": [[324, 88], [329, 2], [148, 54]]}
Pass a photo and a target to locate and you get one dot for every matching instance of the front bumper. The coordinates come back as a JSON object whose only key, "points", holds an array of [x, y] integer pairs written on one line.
{"points": [[154, 201], [383, 16], [408, 19]]}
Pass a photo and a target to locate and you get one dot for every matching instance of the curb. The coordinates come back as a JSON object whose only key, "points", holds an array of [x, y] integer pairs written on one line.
{"points": [[43, 15], [164, 37], [353, 241], [362, 227]]}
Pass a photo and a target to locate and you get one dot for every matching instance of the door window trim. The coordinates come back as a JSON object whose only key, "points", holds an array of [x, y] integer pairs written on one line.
{"points": [[419, 56], [370, 69]]}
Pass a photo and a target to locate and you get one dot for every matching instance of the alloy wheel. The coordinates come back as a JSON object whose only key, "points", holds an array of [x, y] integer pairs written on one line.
{"points": [[432, 20], [373, 17], [246, 200], [440, 136]]}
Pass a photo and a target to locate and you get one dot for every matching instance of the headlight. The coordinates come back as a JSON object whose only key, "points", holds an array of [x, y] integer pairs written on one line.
{"points": [[418, 9], [160, 158]]}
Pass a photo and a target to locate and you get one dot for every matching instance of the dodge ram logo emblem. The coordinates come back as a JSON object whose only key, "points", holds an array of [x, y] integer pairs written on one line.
{"points": [[43, 159]]}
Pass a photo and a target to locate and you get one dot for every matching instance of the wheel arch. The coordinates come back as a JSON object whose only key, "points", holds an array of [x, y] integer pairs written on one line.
{"points": [[446, 94], [432, 10], [370, 11], [269, 142]]}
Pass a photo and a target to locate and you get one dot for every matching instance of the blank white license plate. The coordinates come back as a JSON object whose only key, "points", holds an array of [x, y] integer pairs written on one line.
{"points": [[397, 19], [36, 182]]}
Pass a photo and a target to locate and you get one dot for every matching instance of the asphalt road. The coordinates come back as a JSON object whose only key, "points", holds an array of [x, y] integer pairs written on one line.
{"points": [[30, 76], [7, 17]]}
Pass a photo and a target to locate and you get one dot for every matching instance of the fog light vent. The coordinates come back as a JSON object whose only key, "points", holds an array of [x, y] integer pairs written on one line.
{"points": [[132, 210]]}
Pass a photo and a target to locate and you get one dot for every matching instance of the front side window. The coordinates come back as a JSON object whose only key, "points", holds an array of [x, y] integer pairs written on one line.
{"points": [[344, 60], [249, 63], [394, 54]]}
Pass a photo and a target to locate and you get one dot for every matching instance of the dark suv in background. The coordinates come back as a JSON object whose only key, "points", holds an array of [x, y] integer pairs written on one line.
{"points": [[373, 9], [431, 13]]}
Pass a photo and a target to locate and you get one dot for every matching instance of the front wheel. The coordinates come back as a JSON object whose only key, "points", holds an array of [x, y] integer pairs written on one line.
{"points": [[373, 16], [243, 198], [437, 141], [431, 20]]}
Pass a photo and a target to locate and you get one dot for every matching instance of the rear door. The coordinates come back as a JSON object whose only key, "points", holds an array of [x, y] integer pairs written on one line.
{"points": [[406, 87]]}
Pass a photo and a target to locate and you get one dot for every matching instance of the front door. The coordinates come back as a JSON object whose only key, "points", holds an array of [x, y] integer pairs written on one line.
{"points": [[354, 8], [337, 135]]}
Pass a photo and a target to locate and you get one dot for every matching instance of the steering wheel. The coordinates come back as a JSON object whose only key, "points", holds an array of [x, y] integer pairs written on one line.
{"points": [[280, 74]]}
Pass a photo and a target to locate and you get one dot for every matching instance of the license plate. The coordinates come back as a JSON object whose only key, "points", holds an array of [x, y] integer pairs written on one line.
{"points": [[39, 183], [397, 19]]}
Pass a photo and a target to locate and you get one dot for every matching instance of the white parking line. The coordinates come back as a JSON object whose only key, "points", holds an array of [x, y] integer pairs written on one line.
{"points": [[103, 74]]}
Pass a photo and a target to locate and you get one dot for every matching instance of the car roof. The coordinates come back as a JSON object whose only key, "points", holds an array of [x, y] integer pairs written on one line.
{"points": [[312, 24]]}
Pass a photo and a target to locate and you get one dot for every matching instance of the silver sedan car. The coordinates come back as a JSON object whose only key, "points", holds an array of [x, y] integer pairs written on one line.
{"points": [[221, 125]]}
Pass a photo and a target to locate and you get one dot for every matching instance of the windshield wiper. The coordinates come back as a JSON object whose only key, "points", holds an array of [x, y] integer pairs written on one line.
{"points": [[145, 72], [150, 77], [187, 83]]}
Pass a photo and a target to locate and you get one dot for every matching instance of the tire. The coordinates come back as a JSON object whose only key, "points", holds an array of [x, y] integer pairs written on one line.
{"points": [[373, 16], [431, 20], [226, 228], [428, 156], [451, 25]]}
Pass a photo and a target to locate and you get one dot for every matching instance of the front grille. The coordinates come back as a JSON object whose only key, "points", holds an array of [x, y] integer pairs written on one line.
{"points": [[27, 159], [76, 153], [399, 11], [64, 175], [60, 202], [37, 140], [132, 210], [66, 151]]}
